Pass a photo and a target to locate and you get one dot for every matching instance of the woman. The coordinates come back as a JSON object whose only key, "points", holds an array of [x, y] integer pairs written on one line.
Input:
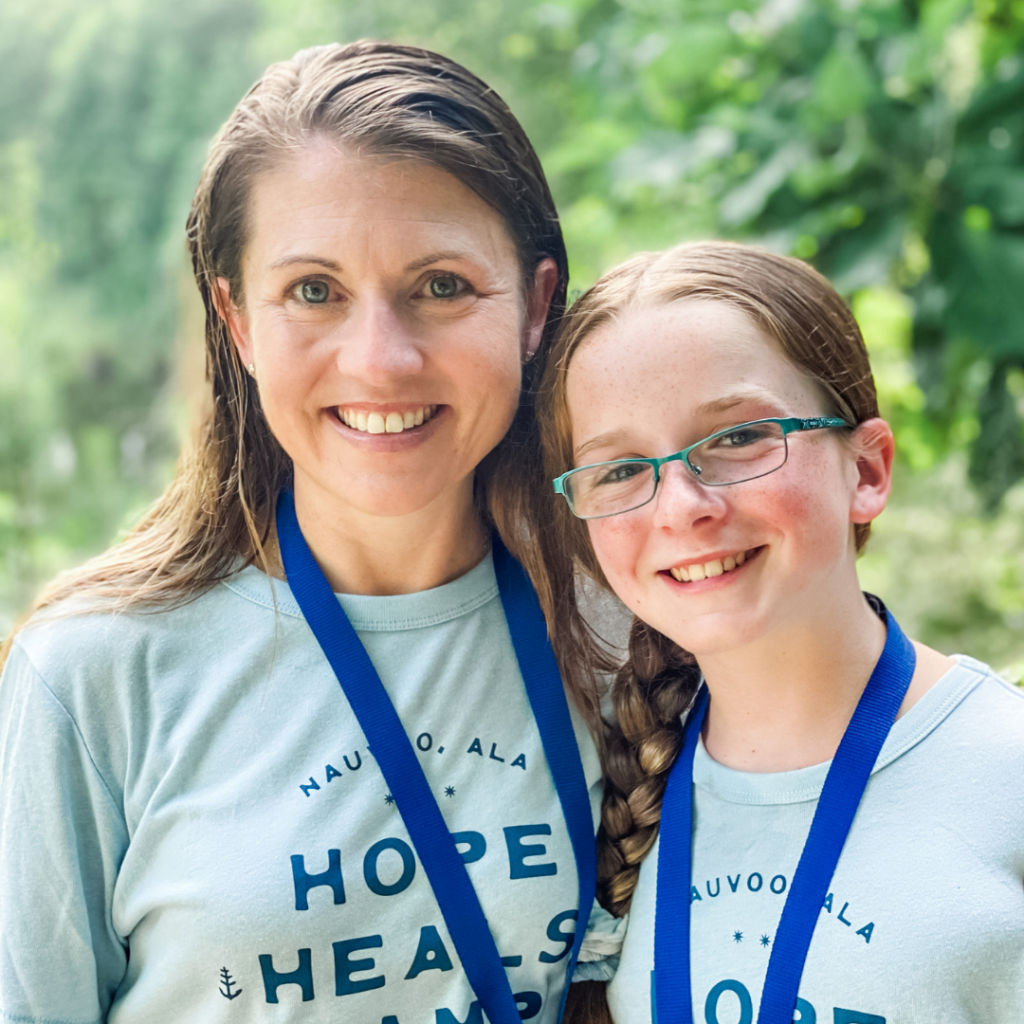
{"points": [[198, 821], [835, 834]]}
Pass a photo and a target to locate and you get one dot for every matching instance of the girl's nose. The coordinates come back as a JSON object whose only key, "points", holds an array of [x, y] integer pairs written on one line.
{"points": [[682, 500], [378, 344]]}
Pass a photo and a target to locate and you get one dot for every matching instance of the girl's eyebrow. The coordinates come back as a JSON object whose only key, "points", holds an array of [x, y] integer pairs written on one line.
{"points": [[600, 441], [717, 406], [727, 402]]}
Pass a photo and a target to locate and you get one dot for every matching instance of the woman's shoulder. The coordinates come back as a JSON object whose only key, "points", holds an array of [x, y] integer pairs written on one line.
{"points": [[80, 640]]}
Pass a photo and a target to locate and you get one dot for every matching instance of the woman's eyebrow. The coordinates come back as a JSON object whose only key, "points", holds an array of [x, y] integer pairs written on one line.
{"points": [[322, 261], [438, 257]]}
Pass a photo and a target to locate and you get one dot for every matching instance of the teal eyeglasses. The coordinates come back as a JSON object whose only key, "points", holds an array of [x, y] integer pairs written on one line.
{"points": [[731, 456]]}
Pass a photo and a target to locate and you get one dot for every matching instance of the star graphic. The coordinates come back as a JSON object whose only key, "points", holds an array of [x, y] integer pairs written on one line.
{"points": [[389, 799], [765, 941], [449, 791], [737, 936]]}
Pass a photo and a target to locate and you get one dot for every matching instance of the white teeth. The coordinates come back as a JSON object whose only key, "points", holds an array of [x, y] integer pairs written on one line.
{"points": [[716, 567], [391, 423]]}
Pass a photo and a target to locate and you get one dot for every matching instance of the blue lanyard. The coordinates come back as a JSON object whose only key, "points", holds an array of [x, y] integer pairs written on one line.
{"points": [[840, 796], [400, 766]]}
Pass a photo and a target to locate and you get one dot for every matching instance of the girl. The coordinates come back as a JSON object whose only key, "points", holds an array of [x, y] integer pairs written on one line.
{"points": [[711, 424], [224, 796]]}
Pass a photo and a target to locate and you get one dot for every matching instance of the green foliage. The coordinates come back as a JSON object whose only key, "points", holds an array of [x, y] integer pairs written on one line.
{"points": [[881, 139], [105, 113]]}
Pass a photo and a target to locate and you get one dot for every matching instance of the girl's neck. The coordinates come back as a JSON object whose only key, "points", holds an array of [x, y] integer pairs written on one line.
{"points": [[784, 701], [380, 555]]}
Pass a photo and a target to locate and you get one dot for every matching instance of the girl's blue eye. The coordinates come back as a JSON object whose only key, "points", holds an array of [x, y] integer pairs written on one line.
{"points": [[315, 291], [621, 473], [444, 286], [743, 436]]}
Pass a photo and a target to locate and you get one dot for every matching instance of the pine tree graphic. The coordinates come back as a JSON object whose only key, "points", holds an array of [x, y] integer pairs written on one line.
{"points": [[225, 976]]}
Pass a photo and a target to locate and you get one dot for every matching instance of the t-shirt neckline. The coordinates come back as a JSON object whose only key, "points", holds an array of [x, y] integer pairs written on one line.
{"points": [[373, 613], [804, 784]]}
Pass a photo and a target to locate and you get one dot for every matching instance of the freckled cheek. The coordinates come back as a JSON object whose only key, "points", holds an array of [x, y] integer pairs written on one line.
{"points": [[618, 542], [805, 518]]}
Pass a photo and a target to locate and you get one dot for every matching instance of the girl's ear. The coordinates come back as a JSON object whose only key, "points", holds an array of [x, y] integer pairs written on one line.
{"points": [[873, 447], [538, 301], [236, 319]]}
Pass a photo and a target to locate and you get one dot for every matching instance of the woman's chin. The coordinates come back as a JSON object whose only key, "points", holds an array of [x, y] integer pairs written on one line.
{"points": [[384, 496]]}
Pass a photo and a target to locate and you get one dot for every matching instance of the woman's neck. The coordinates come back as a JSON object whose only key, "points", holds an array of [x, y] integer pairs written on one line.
{"points": [[374, 554], [784, 701]]}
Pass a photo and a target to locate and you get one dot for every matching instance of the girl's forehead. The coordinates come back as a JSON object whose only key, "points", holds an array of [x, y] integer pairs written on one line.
{"points": [[686, 348]]}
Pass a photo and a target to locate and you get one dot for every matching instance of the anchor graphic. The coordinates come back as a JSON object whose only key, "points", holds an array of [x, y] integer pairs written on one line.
{"points": [[225, 976]]}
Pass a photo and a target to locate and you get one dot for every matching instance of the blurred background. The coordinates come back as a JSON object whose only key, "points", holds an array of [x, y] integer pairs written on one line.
{"points": [[883, 140]]}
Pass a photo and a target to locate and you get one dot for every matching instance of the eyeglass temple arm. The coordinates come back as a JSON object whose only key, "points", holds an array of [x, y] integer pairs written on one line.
{"points": [[815, 423]]}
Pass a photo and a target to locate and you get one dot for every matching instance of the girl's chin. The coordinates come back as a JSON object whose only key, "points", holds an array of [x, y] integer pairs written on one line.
{"points": [[713, 639]]}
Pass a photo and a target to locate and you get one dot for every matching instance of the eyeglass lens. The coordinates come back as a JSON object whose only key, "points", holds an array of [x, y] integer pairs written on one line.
{"points": [[749, 451]]}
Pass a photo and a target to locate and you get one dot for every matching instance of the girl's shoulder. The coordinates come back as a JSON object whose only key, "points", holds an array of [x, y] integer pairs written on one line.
{"points": [[985, 711]]}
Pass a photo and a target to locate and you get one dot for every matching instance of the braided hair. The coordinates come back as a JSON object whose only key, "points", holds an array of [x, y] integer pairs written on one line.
{"points": [[795, 306]]}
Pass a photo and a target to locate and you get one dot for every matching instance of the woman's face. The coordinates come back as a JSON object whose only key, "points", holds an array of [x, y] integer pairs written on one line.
{"points": [[384, 312], [658, 379]]}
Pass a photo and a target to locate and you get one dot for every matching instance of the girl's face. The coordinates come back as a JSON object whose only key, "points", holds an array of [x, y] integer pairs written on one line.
{"points": [[384, 311], [658, 379]]}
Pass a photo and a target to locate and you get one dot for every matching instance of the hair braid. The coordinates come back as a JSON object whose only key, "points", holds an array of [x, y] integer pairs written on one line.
{"points": [[652, 690]]}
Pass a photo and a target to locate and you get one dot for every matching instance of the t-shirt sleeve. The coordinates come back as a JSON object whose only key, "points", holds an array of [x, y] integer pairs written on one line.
{"points": [[601, 946], [62, 839]]}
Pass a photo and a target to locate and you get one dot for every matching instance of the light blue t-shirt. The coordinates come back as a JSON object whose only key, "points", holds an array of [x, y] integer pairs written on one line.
{"points": [[193, 829], [924, 920]]}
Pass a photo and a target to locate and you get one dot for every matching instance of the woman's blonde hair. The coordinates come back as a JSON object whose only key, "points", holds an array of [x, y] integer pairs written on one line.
{"points": [[387, 99], [796, 307]]}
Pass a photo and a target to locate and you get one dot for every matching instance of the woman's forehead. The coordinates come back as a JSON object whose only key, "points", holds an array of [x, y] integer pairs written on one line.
{"points": [[337, 198]]}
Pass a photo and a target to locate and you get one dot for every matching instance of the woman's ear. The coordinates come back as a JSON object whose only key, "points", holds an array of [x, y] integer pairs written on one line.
{"points": [[538, 302], [873, 448], [236, 319]]}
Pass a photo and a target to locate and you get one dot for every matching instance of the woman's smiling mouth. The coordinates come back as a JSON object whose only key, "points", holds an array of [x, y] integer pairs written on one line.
{"points": [[693, 572], [391, 421]]}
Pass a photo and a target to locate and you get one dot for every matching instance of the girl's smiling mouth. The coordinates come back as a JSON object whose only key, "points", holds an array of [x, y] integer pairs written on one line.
{"points": [[693, 572]]}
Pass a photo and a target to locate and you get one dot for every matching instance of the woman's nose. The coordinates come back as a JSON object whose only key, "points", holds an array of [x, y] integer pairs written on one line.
{"points": [[379, 345], [681, 499]]}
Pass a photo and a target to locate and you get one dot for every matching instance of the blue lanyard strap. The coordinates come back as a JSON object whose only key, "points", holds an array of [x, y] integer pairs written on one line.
{"points": [[840, 796], [400, 766], [543, 682]]}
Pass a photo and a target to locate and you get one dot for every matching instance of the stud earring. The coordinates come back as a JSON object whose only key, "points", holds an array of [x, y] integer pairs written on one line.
{"points": [[252, 369]]}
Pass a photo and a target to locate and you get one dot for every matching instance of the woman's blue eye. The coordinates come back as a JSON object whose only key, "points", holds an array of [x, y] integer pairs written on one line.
{"points": [[315, 291], [444, 286]]}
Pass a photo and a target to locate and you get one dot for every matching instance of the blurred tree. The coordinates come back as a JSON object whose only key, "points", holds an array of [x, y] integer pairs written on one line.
{"points": [[106, 110], [883, 140]]}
